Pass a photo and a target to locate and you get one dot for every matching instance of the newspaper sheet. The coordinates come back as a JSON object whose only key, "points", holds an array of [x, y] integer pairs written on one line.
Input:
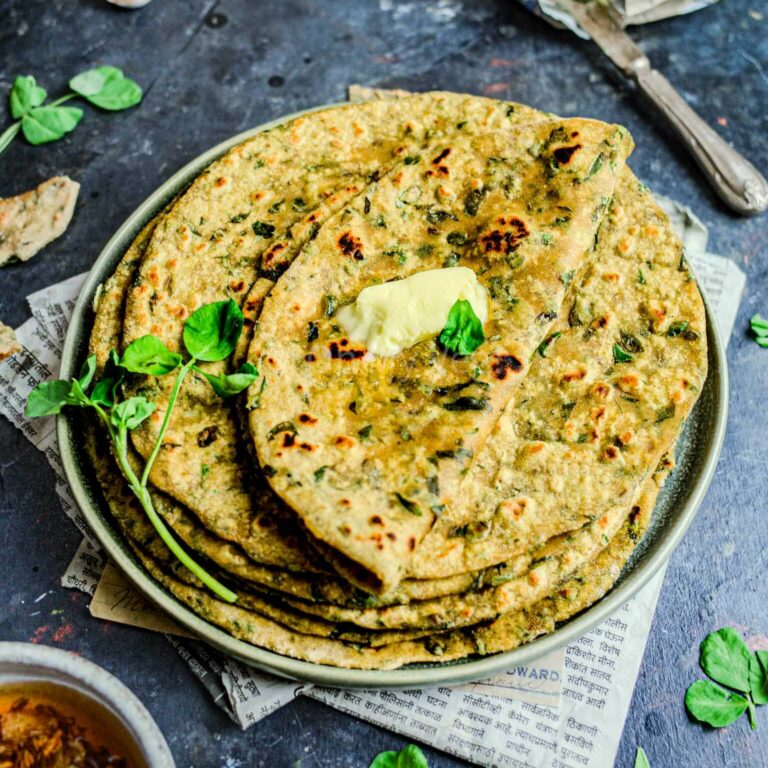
{"points": [[565, 710]]}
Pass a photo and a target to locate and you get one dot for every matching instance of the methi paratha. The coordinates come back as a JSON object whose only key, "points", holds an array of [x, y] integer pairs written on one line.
{"points": [[556, 422], [454, 540], [592, 416], [276, 546], [352, 442], [614, 216]]}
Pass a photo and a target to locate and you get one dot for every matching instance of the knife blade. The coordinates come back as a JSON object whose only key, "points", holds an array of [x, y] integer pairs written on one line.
{"points": [[738, 183], [597, 22]]}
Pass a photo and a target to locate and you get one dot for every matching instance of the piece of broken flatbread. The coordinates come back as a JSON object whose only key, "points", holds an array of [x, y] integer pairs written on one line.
{"points": [[9, 344], [28, 222]]}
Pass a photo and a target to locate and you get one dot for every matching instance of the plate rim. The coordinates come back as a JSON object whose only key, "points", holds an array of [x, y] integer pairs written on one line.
{"points": [[294, 669]]}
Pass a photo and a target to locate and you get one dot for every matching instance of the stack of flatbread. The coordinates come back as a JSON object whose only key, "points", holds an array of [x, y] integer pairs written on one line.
{"points": [[375, 511]]}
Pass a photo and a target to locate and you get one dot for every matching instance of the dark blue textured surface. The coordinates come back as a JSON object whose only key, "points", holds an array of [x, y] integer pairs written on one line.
{"points": [[211, 69]]}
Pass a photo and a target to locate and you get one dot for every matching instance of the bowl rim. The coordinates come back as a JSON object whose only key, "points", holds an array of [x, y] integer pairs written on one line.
{"points": [[294, 669], [93, 681]]}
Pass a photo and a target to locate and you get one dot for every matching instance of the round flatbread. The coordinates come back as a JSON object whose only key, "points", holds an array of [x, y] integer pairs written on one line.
{"points": [[604, 394]]}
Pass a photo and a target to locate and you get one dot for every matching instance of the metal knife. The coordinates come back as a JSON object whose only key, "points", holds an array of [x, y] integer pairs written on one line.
{"points": [[740, 185]]}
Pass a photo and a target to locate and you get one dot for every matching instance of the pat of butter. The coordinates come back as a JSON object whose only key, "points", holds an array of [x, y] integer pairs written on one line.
{"points": [[391, 317]]}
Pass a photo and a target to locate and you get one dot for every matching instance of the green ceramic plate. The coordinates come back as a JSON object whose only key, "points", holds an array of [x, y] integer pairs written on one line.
{"points": [[697, 453]]}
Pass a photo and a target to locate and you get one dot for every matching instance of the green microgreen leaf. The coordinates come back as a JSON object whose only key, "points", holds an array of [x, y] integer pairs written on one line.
{"points": [[25, 95], [759, 324], [107, 88], [89, 83], [212, 331], [227, 385], [713, 705], [751, 714], [620, 356], [47, 399], [87, 372], [105, 389], [641, 759], [132, 412], [758, 677], [149, 356], [463, 331], [43, 124], [77, 394], [408, 757], [725, 658]]}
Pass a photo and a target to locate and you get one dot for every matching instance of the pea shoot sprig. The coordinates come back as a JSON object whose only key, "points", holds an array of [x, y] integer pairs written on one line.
{"points": [[725, 657], [210, 334], [105, 87]]}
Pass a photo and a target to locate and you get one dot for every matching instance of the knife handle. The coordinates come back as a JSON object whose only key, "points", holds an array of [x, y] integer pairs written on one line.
{"points": [[736, 180]]}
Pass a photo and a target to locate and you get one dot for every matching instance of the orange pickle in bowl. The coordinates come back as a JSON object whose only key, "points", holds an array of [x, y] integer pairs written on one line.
{"points": [[47, 725]]}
